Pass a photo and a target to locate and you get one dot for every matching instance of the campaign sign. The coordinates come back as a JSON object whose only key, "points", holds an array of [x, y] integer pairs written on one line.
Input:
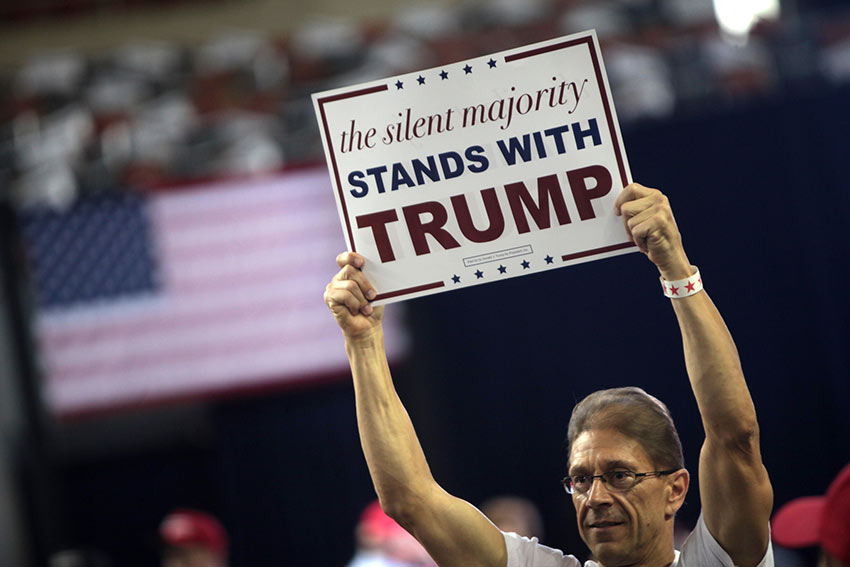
{"points": [[478, 171]]}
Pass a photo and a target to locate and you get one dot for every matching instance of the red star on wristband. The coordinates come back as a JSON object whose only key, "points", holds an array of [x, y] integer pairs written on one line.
{"points": [[674, 290], [690, 286]]}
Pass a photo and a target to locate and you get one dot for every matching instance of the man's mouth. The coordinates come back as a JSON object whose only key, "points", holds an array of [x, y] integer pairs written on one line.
{"points": [[604, 524]]}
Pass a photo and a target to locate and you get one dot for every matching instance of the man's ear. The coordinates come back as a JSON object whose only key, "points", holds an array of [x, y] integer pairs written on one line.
{"points": [[677, 488]]}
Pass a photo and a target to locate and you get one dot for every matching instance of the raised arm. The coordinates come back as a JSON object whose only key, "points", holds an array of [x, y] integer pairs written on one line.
{"points": [[452, 531], [734, 486]]}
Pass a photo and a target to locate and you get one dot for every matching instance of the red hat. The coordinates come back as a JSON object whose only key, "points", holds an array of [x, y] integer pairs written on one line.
{"points": [[184, 528], [377, 525], [818, 520]]}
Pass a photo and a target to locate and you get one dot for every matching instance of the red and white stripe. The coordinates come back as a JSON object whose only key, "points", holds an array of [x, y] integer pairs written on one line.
{"points": [[243, 268]]}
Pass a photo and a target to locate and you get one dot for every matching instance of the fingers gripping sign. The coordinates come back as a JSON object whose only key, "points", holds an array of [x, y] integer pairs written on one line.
{"points": [[649, 223], [348, 295]]}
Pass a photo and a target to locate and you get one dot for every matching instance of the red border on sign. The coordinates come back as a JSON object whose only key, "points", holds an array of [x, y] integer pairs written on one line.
{"points": [[508, 58], [409, 290], [595, 251], [322, 102]]}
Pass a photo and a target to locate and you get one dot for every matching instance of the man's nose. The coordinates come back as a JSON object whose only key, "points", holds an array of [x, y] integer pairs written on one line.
{"points": [[598, 494]]}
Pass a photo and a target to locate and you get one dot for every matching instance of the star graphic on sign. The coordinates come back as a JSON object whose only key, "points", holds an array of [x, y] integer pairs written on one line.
{"points": [[690, 286], [526, 264], [420, 79], [549, 259], [502, 269], [456, 278], [674, 290], [399, 85], [492, 63], [444, 74], [467, 69], [479, 274]]}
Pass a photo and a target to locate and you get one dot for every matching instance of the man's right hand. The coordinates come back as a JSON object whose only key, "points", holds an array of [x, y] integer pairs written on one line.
{"points": [[348, 295]]}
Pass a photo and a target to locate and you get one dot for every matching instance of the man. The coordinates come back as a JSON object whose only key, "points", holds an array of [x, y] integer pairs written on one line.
{"points": [[192, 538], [822, 521], [625, 487]]}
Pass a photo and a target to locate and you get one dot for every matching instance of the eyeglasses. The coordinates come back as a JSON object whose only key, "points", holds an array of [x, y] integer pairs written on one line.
{"points": [[619, 480]]}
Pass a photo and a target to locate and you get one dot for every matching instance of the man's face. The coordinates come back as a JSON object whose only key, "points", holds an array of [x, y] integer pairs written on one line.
{"points": [[624, 528]]}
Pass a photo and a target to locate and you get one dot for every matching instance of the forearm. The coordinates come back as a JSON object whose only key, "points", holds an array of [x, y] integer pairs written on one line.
{"points": [[714, 370], [396, 462], [453, 532], [738, 519]]}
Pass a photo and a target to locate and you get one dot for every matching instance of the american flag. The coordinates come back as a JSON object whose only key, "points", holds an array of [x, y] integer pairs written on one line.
{"points": [[187, 293]]}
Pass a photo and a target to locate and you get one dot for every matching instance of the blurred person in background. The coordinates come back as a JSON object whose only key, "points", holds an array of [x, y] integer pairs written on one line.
{"points": [[822, 521], [514, 514], [191, 538], [80, 557], [381, 542]]}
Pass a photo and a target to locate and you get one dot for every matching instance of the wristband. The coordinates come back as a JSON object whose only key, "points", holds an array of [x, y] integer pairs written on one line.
{"points": [[678, 289]]}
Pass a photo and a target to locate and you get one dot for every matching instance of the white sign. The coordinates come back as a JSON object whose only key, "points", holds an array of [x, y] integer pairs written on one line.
{"points": [[477, 171]]}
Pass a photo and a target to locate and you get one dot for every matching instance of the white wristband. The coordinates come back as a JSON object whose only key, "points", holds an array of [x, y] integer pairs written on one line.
{"points": [[678, 289]]}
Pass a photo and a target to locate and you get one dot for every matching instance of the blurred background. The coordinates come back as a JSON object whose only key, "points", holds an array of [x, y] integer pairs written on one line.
{"points": [[168, 229]]}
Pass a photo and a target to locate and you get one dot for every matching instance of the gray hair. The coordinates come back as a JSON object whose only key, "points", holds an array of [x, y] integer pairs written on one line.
{"points": [[633, 413]]}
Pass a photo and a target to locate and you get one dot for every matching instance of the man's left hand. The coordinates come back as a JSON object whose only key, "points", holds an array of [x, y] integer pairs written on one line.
{"points": [[649, 223]]}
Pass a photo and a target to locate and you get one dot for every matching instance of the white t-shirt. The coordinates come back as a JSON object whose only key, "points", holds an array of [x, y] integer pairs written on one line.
{"points": [[699, 550]]}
